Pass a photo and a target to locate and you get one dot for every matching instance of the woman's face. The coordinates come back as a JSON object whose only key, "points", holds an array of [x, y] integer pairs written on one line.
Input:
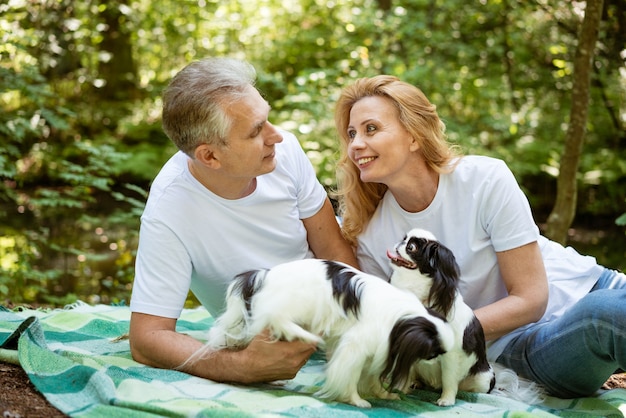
{"points": [[379, 145]]}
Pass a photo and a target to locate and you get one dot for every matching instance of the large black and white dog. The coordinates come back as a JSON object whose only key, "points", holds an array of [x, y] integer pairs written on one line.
{"points": [[372, 331], [428, 269]]}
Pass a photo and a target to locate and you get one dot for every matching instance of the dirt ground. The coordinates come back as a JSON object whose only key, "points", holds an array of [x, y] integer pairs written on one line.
{"points": [[20, 399]]}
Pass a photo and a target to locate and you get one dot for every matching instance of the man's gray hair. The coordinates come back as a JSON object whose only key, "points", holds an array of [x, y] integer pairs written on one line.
{"points": [[194, 102]]}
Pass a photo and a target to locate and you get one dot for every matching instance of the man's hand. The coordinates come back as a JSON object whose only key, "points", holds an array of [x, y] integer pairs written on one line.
{"points": [[267, 360]]}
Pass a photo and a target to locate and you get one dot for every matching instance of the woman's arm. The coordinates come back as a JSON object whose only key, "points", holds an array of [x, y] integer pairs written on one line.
{"points": [[525, 279]]}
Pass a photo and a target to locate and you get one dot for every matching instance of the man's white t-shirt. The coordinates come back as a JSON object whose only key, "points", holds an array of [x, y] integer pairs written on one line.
{"points": [[192, 239], [478, 210]]}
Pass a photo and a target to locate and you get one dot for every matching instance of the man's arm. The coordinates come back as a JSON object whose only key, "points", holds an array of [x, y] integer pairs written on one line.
{"points": [[325, 239], [155, 342]]}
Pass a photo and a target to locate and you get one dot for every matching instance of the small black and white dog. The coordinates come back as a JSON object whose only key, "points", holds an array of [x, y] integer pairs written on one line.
{"points": [[372, 331], [429, 270]]}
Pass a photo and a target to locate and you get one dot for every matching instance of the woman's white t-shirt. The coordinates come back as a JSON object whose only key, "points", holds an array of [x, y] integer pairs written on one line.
{"points": [[192, 239], [478, 210]]}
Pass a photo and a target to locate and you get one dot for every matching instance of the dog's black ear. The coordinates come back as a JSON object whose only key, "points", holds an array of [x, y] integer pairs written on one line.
{"points": [[410, 340], [445, 272]]}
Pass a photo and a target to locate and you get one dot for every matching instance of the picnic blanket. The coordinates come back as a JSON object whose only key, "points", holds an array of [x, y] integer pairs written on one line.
{"points": [[78, 359]]}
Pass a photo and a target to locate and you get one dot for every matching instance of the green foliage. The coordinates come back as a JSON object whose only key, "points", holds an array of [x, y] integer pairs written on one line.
{"points": [[53, 178], [80, 86]]}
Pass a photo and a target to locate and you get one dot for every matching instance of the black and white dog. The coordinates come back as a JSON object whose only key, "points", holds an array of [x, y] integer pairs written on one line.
{"points": [[372, 331], [429, 270]]}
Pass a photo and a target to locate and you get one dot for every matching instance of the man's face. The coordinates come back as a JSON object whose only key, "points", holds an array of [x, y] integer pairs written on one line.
{"points": [[250, 143]]}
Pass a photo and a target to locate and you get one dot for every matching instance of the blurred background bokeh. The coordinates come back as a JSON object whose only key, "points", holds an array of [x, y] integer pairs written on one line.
{"points": [[80, 104]]}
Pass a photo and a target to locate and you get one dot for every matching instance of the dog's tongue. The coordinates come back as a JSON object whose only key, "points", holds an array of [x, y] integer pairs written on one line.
{"points": [[396, 259], [400, 261]]}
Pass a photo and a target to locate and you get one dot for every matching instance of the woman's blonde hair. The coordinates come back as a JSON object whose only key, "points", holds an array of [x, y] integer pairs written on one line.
{"points": [[358, 200]]}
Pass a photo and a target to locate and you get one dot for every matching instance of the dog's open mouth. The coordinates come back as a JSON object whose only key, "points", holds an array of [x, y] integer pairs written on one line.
{"points": [[400, 261]]}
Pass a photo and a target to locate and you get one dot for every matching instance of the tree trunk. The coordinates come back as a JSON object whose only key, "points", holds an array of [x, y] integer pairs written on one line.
{"points": [[118, 69], [564, 209], [384, 5]]}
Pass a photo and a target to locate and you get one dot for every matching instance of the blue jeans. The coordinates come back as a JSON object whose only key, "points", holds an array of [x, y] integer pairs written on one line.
{"points": [[572, 356]]}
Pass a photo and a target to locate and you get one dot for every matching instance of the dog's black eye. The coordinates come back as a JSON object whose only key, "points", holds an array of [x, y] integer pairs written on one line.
{"points": [[411, 247]]}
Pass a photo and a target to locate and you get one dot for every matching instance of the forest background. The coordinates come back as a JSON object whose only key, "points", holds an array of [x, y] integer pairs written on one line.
{"points": [[80, 103]]}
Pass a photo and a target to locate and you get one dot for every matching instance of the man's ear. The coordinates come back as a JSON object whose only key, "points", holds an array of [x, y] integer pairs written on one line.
{"points": [[205, 154]]}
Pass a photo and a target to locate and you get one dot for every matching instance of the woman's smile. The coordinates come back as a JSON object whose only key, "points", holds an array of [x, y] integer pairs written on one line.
{"points": [[365, 160]]}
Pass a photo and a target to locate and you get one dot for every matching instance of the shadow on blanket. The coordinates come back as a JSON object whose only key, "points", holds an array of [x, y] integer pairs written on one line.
{"points": [[75, 358]]}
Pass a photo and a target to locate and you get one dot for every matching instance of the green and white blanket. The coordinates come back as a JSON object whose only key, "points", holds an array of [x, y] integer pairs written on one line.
{"points": [[75, 357]]}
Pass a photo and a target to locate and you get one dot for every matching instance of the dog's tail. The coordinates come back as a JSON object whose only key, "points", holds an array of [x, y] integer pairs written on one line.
{"points": [[230, 329], [413, 339], [512, 386]]}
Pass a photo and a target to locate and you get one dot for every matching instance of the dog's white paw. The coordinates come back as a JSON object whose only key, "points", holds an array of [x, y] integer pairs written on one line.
{"points": [[390, 396], [356, 400], [384, 394], [445, 401]]}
